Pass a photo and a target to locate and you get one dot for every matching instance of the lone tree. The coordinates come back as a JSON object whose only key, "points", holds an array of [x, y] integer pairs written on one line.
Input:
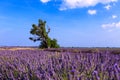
{"points": [[40, 33]]}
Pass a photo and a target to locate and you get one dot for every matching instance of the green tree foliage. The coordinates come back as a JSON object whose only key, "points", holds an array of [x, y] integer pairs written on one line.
{"points": [[40, 33]]}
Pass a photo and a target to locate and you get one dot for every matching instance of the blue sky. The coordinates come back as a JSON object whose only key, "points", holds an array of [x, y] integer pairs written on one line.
{"points": [[74, 23]]}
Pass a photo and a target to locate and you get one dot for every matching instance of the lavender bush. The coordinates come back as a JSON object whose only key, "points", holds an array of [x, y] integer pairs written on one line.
{"points": [[59, 65]]}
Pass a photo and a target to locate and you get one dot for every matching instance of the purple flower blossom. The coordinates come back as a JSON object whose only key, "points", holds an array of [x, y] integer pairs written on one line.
{"points": [[67, 65]]}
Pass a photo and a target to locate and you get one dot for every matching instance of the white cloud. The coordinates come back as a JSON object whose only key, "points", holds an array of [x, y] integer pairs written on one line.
{"points": [[44, 1], [70, 4], [114, 16], [107, 7], [92, 12], [118, 25], [111, 26]]}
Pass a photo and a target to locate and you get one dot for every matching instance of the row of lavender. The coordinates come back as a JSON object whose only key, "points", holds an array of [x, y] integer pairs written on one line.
{"points": [[46, 65]]}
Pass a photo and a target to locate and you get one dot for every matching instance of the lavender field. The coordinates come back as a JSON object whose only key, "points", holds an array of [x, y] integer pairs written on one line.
{"points": [[59, 64]]}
